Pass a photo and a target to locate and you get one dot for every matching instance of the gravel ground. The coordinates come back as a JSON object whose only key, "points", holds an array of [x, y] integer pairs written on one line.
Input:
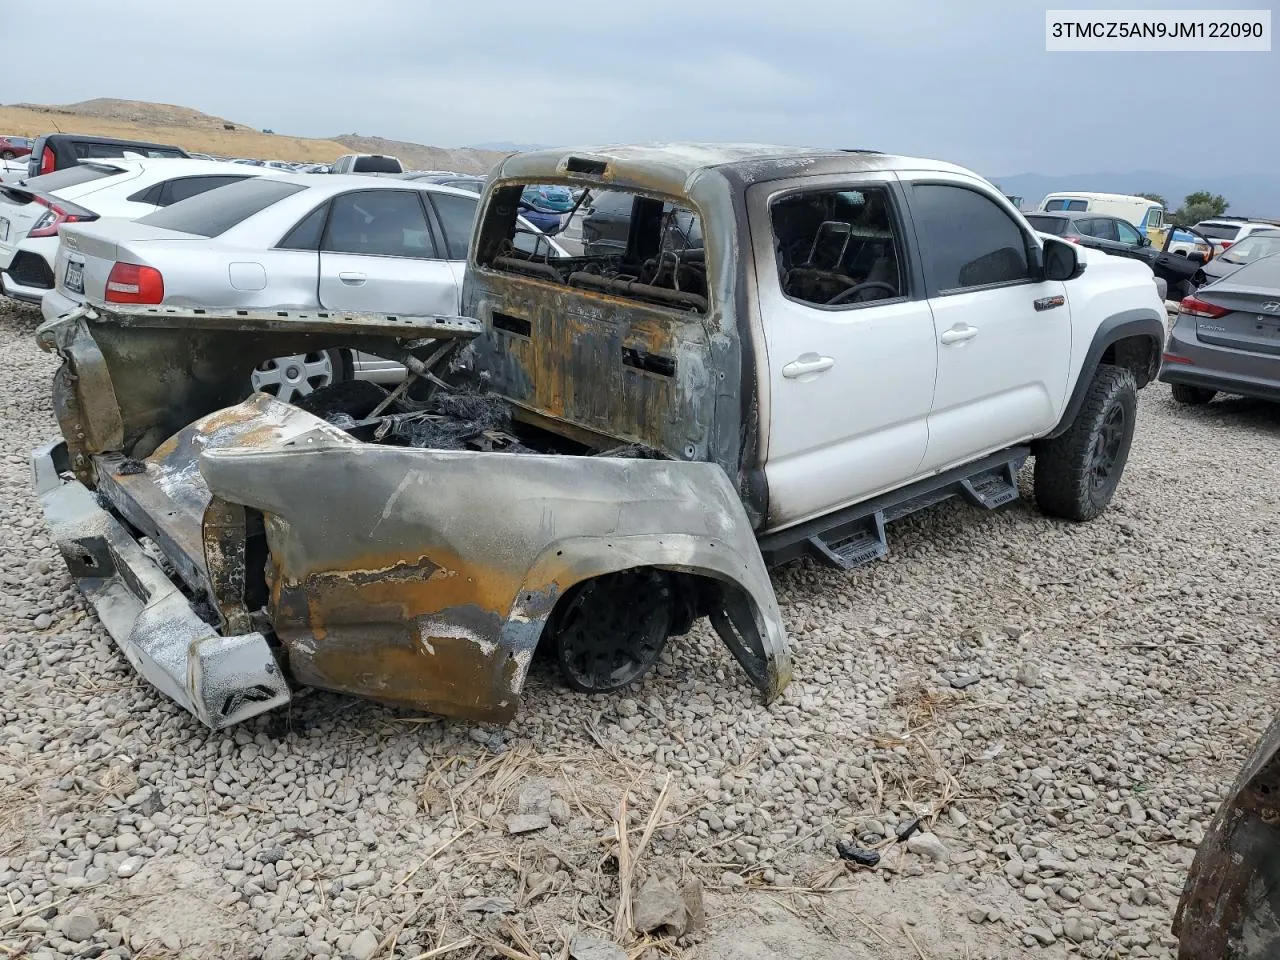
{"points": [[1062, 704]]}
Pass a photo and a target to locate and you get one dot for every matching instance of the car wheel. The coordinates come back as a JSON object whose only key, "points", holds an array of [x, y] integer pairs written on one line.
{"points": [[1076, 474], [1192, 396], [610, 631], [289, 378]]}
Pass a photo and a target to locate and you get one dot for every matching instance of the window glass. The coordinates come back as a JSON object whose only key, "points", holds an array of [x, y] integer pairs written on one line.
{"points": [[457, 218], [379, 223], [91, 149], [1054, 225], [837, 247], [970, 240], [70, 177], [1127, 234], [1252, 248], [1155, 217], [1056, 205], [306, 235], [213, 213], [1218, 231], [187, 187], [376, 165], [1077, 205]]}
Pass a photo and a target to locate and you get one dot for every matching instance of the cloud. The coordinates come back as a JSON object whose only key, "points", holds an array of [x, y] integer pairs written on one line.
{"points": [[965, 82]]}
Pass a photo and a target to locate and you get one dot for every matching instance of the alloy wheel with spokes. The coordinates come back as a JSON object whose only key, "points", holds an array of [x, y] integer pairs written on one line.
{"points": [[1106, 447], [287, 378]]}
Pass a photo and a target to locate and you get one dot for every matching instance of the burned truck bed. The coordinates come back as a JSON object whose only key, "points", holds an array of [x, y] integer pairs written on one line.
{"points": [[413, 546]]}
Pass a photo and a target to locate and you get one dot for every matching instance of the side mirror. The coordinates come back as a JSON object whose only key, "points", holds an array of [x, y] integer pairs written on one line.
{"points": [[1144, 240], [1061, 260]]}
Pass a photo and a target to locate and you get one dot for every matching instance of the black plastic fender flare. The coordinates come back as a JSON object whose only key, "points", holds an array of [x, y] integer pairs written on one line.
{"points": [[1138, 322]]}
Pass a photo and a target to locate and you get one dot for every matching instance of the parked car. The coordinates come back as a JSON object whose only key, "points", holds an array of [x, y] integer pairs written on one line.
{"points": [[13, 147], [294, 241], [1226, 338], [544, 205], [626, 445], [1184, 244], [1120, 238], [1261, 243], [57, 151], [33, 213], [367, 163], [459, 181], [1224, 231], [1147, 215]]}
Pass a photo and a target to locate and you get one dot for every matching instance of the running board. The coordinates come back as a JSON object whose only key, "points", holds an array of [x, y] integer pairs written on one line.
{"points": [[855, 536]]}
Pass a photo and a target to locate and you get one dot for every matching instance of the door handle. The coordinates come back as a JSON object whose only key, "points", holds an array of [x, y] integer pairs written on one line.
{"points": [[807, 364], [958, 334], [352, 279]]}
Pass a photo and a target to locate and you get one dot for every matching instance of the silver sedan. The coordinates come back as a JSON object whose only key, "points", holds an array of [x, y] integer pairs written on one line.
{"points": [[318, 242]]}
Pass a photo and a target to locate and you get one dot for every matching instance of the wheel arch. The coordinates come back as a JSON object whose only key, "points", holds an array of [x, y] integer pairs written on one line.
{"points": [[1131, 339], [732, 590]]}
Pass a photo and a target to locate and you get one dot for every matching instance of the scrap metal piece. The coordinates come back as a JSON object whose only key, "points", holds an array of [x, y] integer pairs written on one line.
{"points": [[1230, 905], [219, 679]]}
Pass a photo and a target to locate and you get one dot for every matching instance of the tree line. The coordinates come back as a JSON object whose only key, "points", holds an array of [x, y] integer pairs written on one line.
{"points": [[1201, 205]]}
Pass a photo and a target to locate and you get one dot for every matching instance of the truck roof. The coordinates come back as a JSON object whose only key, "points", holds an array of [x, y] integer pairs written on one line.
{"points": [[668, 167]]}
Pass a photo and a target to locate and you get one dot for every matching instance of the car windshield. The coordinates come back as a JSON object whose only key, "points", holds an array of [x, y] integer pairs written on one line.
{"points": [[1252, 248], [1054, 225]]}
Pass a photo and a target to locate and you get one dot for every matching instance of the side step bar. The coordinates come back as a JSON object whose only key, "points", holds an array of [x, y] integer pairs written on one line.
{"points": [[855, 536]]}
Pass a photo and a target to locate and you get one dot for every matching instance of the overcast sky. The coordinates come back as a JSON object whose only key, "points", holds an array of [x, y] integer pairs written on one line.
{"points": [[963, 81]]}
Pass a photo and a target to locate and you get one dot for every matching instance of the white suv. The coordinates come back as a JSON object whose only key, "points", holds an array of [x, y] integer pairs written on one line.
{"points": [[373, 164], [1224, 231]]}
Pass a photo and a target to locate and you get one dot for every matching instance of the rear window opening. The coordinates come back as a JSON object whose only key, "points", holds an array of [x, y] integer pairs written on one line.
{"points": [[631, 245], [1217, 231]]}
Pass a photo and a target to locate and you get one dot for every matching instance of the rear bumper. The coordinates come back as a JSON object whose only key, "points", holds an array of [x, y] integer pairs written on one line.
{"points": [[221, 680], [1238, 372], [17, 291], [55, 304]]}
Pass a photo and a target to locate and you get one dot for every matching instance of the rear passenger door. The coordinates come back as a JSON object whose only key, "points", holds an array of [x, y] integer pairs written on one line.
{"points": [[850, 354], [378, 254], [1003, 334]]}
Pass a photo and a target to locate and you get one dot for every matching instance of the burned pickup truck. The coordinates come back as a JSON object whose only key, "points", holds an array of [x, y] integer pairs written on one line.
{"points": [[791, 349]]}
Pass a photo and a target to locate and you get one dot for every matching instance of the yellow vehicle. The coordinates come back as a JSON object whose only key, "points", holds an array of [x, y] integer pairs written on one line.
{"points": [[1146, 215]]}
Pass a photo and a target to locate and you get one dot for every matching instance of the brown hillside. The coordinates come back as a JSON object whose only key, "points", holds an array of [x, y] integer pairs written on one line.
{"points": [[202, 133], [417, 157]]}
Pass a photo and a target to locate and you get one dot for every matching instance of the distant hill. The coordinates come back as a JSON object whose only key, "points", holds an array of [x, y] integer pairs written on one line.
{"points": [[1250, 195], [203, 133], [417, 157]]}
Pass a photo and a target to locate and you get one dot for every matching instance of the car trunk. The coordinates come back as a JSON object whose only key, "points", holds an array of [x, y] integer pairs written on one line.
{"points": [[1252, 325], [94, 248], [411, 554]]}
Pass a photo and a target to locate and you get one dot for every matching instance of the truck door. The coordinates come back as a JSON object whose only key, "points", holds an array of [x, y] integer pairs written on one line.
{"points": [[1003, 334], [849, 338]]}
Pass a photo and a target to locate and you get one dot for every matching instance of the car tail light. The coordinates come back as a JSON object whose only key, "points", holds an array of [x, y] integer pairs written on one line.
{"points": [[47, 161], [132, 283], [1195, 307], [1227, 243], [1174, 358], [56, 215]]}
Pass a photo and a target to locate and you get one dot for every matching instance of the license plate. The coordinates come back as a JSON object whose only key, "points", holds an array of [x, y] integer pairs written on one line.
{"points": [[74, 279], [4, 229]]}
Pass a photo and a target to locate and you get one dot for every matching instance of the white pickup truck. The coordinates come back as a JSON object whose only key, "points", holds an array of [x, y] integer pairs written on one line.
{"points": [[621, 442]]}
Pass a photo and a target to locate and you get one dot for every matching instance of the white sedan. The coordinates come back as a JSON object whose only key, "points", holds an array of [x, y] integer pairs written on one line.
{"points": [[297, 241], [33, 211]]}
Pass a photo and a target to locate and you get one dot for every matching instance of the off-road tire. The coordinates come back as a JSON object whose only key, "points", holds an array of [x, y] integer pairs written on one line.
{"points": [[1192, 396], [1076, 473]]}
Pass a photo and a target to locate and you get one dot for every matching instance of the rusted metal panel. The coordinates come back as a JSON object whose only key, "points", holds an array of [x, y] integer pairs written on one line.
{"points": [[131, 378], [1230, 906], [424, 578]]}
